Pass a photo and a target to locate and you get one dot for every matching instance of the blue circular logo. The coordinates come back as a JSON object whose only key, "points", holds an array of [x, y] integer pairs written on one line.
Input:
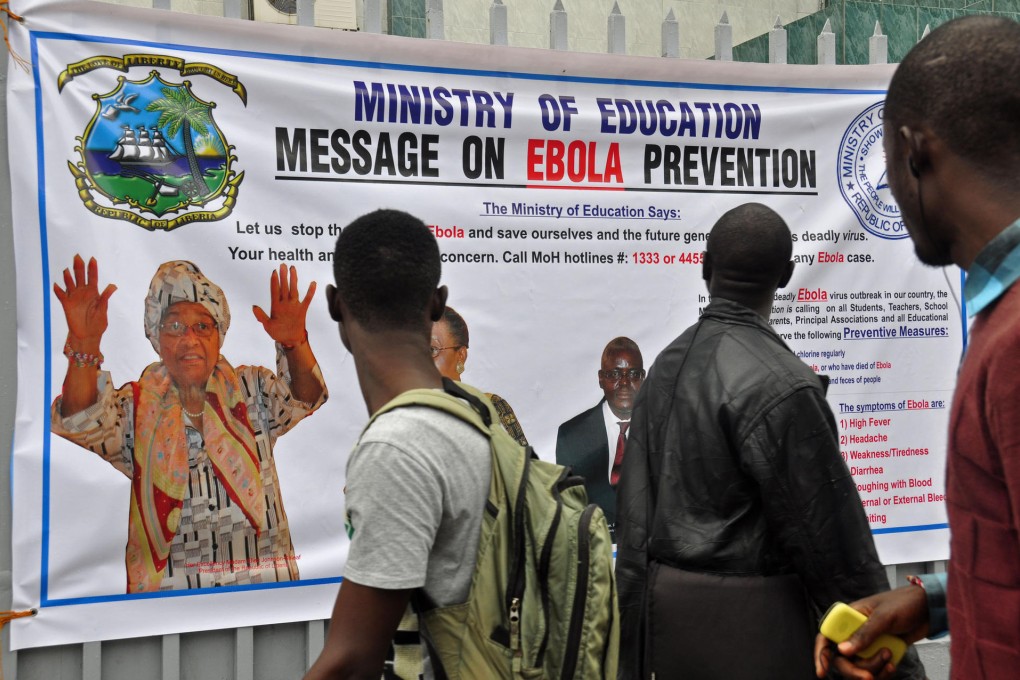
{"points": [[860, 171]]}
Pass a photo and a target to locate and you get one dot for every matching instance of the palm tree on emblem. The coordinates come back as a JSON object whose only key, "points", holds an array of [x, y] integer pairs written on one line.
{"points": [[180, 111]]}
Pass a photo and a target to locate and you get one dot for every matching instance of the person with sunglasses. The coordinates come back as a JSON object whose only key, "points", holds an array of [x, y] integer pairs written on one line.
{"points": [[194, 434], [593, 442]]}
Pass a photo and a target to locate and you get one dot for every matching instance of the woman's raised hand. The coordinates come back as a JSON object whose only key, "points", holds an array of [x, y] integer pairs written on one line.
{"points": [[285, 322], [84, 306]]}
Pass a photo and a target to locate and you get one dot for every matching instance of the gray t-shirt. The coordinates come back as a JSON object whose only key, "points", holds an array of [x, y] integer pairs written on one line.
{"points": [[416, 489]]}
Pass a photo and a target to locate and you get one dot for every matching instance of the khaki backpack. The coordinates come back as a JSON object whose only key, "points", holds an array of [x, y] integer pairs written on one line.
{"points": [[542, 602]]}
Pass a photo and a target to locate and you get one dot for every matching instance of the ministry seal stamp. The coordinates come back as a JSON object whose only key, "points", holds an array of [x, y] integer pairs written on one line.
{"points": [[860, 170]]}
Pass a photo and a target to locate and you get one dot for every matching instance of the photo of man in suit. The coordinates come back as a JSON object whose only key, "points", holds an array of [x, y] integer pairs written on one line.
{"points": [[593, 442]]}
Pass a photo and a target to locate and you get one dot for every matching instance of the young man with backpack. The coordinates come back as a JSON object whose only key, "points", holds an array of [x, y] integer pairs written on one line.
{"points": [[443, 508]]}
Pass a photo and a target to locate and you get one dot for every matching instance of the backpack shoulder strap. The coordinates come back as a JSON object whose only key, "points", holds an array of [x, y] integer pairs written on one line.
{"points": [[478, 411]]}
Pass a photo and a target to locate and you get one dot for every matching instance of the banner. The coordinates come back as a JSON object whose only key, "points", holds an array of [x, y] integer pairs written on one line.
{"points": [[571, 195]]}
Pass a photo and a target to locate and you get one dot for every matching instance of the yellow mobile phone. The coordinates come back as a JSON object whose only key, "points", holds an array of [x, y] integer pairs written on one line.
{"points": [[842, 620]]}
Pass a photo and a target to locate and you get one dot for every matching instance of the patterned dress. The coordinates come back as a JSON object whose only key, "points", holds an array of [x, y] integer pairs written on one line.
{"points": [[508, 418], [215, 543]]}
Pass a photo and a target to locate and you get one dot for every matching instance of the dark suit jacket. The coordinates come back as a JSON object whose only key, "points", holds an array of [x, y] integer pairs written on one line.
{"points": [[581, 444]]}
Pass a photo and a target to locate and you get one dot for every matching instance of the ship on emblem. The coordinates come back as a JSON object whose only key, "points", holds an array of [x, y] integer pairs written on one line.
{"points": [[143, 148], [139, 153], [154, 146]]}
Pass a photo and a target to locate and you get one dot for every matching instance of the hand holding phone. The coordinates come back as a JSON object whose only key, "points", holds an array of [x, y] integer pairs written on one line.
{"points": [[842, 620]]}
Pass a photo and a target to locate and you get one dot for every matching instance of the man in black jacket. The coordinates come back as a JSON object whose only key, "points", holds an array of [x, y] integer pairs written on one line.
{"points": [[738, 522]]}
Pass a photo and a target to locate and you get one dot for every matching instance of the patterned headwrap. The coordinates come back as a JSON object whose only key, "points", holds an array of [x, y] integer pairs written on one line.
{"points": [[183, 281]]}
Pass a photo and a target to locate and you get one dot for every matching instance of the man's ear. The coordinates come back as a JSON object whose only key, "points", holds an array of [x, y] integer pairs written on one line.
{"points": [[438, 304], [918, 152], [787, 273], [333, 303]]}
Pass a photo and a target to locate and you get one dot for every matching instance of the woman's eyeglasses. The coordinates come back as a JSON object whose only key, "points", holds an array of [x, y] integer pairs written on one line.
{"points": [[436, 350], [178, 329]]}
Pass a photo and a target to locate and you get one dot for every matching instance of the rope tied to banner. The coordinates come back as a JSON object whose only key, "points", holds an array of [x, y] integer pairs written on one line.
{"points": [[5, 8], [6, 617]]}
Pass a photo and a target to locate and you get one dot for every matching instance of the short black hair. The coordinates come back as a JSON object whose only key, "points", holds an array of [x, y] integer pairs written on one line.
{"points": [[386, 266], [961, 81], [458, 327], [751, 246]]}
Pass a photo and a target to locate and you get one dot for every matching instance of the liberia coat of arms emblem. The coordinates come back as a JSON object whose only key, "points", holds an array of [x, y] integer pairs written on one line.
{"points": [[153, 154]]}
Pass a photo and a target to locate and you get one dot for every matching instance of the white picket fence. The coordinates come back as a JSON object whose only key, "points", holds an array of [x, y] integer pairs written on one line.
{"points": [[373, 13]]}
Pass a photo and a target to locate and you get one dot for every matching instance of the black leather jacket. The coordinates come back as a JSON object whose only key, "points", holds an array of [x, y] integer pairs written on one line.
{"points": [[734, 467]]}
